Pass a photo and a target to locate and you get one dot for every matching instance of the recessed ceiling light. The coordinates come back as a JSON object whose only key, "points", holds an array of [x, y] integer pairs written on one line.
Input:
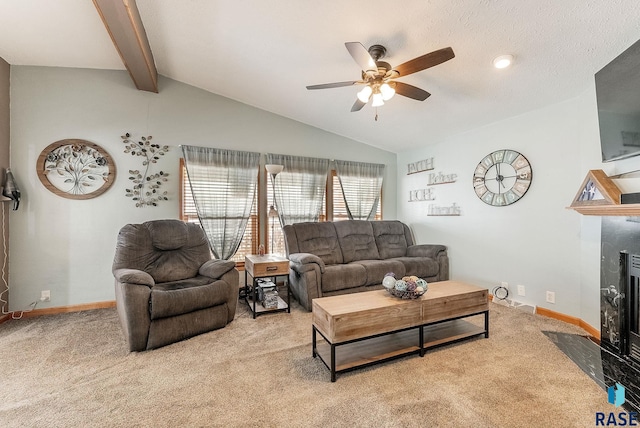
{"points": [[503, 61]]}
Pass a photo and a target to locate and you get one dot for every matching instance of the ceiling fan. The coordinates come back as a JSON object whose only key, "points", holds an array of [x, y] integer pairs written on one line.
{"points": [[379, 77]]}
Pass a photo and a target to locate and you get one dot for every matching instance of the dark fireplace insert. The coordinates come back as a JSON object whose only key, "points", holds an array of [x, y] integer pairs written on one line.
{"points": [[630, 321]]}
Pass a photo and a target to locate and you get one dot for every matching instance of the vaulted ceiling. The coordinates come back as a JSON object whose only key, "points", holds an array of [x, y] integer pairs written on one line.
{"points": [[264, 53]]}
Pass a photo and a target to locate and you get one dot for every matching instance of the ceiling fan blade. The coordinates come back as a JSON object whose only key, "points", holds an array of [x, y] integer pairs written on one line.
{"points": [[425, 61], [410, 91], [361, 55], [357, 106], [334, 85]]}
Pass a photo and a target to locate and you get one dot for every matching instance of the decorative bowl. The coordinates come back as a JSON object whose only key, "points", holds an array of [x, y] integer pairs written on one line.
{"points": [[405, 288], [405, 294]]}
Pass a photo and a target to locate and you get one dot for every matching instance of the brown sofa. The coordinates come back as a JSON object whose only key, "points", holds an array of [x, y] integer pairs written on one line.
{"points": [[330, 258], [167, 286]]}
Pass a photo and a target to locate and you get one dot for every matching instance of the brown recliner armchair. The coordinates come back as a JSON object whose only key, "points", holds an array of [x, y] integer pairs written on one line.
{"points": [[167, 286]]}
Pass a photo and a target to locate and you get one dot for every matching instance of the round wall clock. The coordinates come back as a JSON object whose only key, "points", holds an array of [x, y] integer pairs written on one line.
{"points": [[75, 169], [502, 178]]}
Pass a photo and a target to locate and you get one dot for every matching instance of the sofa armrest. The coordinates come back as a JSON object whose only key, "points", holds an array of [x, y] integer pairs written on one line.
{"points": [[425, 250], [133, 276], [216, 268], [303, 262]]}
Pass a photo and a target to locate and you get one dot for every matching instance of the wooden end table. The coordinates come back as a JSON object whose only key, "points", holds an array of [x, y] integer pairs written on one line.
{"points": [[266, 266]]}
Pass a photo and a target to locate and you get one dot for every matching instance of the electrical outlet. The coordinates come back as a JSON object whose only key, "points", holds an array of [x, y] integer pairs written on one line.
{"points": [[505, 284], [45, 296], [551, 297], [521, 290]]}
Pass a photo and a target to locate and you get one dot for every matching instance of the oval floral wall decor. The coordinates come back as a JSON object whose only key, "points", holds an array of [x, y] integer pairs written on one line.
{"points": [[75, 169], [146, 187]]}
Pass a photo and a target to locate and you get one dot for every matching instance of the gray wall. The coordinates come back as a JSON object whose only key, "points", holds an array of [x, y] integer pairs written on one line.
{"points": [[67, 246], [535, 242], [4, 158]]}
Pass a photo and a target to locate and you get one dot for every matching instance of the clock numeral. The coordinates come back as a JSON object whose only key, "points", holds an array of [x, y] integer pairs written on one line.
{"points": [[478, 181], [521, 186], [499, 200], [498, 156], [511, 196], [520, 162], [481, 190], [487, 198], [480, 170], [487, 161], [524, 173], [510, 156]]}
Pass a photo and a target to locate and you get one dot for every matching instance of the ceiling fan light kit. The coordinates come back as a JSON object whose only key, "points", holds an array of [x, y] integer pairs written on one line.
{"points": [[387, 91], [365, 93], [378, 77], [377, 100]]}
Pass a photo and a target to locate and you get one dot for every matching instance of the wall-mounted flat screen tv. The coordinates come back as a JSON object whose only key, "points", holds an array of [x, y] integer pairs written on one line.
{"points": [[618, 97]]}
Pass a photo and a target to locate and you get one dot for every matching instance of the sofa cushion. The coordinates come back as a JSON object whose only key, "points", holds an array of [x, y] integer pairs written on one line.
{"points": [[179, 297], [422, 267], [377, 269], [390, 238], [319, 239], [340, 277], [356, 240]]}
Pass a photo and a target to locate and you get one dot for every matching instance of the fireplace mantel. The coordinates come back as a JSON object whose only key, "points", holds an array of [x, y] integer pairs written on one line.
{"points": [[606, 210], [600, 196]]}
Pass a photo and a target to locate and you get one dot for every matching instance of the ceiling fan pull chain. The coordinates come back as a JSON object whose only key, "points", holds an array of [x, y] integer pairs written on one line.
{"points": [[376, 118]]}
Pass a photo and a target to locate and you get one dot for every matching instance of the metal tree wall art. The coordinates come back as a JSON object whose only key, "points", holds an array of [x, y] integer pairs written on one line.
{"points": [[146, 186], [75, 169]]}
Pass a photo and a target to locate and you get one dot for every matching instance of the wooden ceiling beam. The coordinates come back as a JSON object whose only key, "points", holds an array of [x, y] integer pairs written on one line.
{"points": [[124, 25]]}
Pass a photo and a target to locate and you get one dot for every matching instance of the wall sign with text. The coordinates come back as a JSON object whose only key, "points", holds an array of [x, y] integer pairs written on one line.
{"points": [[420, 166]]}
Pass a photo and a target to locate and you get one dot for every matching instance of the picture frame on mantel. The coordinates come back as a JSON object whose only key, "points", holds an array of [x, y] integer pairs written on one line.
{"points": [[599, 195], [75, 169]]}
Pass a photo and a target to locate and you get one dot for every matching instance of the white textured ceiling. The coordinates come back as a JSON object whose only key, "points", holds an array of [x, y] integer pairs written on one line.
{"points": [[264, 53]]}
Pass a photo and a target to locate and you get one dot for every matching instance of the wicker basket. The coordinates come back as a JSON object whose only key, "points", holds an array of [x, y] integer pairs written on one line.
{"points": [[404, 294]]}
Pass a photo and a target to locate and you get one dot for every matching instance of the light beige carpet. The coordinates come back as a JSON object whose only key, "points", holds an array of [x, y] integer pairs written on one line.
{"points": [[73, 370]]}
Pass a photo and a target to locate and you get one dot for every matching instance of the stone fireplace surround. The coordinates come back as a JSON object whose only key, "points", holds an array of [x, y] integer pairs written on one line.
{"points": [[608, 362]]}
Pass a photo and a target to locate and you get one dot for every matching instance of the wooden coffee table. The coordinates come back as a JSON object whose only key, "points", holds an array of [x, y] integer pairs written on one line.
{"points": [[367, 328]]}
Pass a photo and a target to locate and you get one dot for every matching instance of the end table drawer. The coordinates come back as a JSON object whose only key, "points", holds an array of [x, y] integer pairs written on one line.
{"points": [[272, 268], [267, 265]]}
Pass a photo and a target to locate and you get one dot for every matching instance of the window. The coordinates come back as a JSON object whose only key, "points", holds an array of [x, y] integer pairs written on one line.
{"points": [[334, 211], [339, 211], [188, 213]]}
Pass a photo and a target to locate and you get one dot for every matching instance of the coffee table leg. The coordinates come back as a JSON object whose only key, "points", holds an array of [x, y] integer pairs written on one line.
{"points": [[333, 362], [421, 336], [313, 342], [486, 324]]}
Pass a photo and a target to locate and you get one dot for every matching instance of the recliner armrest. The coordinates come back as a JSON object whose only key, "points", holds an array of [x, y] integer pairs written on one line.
{"points": [[303, 262], [134, 276], [425, 250], [216, 268]]}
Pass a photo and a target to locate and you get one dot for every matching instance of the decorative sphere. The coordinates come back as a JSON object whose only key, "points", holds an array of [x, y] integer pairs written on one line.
{"points": [[411, 286], [401, 285], [419, 289], [389, 282], [422, 283], [390, 274], [413, 278]]}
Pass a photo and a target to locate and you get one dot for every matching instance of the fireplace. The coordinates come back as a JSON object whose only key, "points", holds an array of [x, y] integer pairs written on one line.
{"points": [[620, 286], [630, 275]]}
